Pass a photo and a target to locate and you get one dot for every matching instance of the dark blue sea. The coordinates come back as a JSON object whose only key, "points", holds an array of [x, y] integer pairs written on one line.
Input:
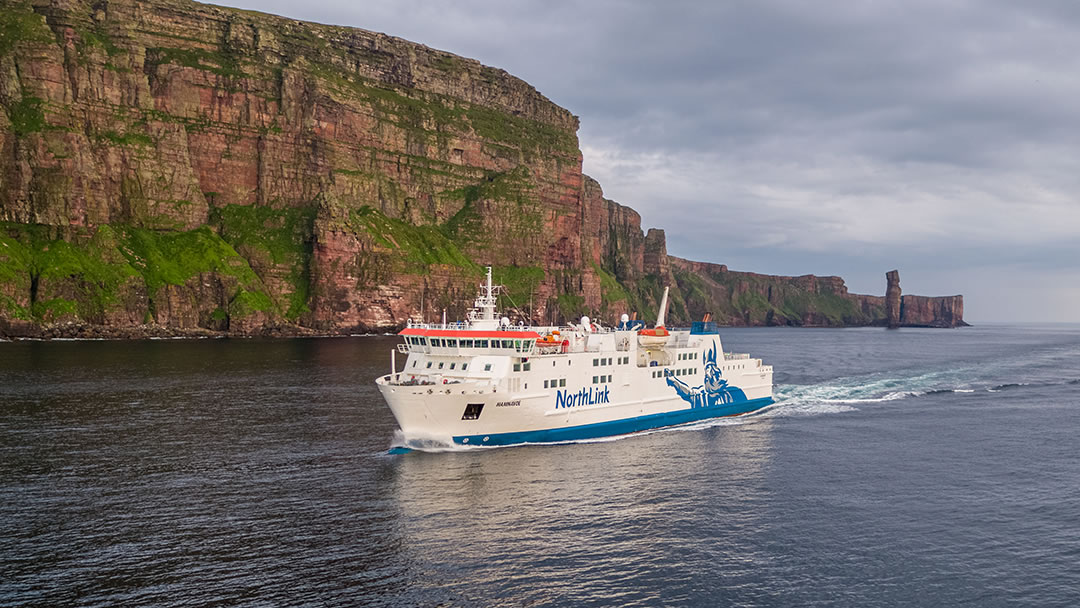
{"points": [[899, 468]]}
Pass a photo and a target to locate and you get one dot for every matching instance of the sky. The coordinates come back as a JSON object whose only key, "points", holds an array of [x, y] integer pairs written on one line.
{"points": [[847, 138]]}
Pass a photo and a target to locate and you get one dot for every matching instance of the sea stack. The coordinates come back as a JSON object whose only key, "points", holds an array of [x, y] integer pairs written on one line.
{"points": [[892, 299]]}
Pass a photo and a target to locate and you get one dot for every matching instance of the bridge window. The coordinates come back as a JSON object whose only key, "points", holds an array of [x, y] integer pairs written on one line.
{"points": [[517, 367], [440, 364], [562, 381], [464, 366], [526, 366], [429, 364], [452, 365]]}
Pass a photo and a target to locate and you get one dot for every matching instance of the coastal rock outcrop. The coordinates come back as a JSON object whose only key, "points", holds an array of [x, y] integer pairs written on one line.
{"points": [[170, 166], [924, 311], [893, 302]]}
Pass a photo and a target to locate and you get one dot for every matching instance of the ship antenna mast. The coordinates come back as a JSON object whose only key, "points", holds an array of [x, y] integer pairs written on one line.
{"points": [[485, 303]]}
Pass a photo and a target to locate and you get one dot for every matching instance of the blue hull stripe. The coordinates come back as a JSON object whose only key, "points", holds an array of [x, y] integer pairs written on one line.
{"points": [[615, 427]]}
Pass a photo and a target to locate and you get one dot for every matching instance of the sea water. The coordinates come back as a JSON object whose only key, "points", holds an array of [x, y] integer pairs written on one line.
{"points": [[910, 467]]}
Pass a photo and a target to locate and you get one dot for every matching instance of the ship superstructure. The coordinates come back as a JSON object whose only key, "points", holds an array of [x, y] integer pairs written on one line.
{"points": [[487, 382]]}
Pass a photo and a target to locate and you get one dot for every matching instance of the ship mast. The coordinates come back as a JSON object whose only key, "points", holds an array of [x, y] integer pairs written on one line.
{"points": [[485, 305]]}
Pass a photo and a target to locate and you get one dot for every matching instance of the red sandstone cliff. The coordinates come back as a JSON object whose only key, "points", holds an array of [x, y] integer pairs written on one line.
{"points": [[183, 167]]}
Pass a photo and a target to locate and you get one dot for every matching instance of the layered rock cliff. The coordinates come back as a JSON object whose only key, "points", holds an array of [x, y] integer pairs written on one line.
{"points": [[179, 167]]}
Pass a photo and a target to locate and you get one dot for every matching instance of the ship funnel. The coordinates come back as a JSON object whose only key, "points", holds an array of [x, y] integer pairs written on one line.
{"points": [[663, 309]]}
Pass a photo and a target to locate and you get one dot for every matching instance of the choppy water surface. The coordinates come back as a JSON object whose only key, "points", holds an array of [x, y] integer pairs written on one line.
{"points": [[911, 467]]}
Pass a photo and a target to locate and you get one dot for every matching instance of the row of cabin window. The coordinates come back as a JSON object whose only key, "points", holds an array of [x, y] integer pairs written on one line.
{"points": [[555, 383], [607, 361], [601, 379], [678, 372], [687, 356], [464, 366], [522, 367], [519, 345]]}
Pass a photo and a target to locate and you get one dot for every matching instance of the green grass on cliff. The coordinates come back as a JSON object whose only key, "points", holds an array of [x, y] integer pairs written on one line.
{"points": [[171, 258], [520, 283], [836, 308], [527, 135], [515, 187], [84, 273], [571, 306], [762, 300], [611, 291], [19, 23], [284, 236], [89, 274], [125, 139], [26, 116], [418, 246], [215, 62], [425, 115]]}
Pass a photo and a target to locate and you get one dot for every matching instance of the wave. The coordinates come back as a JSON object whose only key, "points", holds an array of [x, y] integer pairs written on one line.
{"points": [[849, 393], [1007, 386]]}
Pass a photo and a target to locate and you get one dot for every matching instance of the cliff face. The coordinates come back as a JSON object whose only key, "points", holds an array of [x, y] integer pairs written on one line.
{"points": [[745, 298], [350, 176], [184, 167]]}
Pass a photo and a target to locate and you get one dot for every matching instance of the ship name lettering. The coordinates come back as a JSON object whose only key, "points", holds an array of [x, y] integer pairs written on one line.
{"points": [[585, 396], [508, 403]]}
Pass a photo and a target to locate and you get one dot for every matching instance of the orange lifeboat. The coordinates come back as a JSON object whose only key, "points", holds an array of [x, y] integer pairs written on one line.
{"points": [[654, 336], [551, 339]]}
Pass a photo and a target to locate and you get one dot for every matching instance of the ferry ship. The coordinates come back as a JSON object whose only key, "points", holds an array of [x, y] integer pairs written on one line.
{"points": [[485, 382]]}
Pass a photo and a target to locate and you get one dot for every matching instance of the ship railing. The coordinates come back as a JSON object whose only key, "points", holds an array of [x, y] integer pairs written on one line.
{"points": [[411, 379], [540, 329], [451, 325]]}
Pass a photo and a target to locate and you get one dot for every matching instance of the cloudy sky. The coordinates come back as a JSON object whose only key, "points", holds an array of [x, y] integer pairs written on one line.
{"points": [[938, 137]]}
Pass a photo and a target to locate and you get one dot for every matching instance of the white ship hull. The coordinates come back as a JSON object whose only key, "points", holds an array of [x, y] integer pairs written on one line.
{"points": [[565, 396], [484, 382]]}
